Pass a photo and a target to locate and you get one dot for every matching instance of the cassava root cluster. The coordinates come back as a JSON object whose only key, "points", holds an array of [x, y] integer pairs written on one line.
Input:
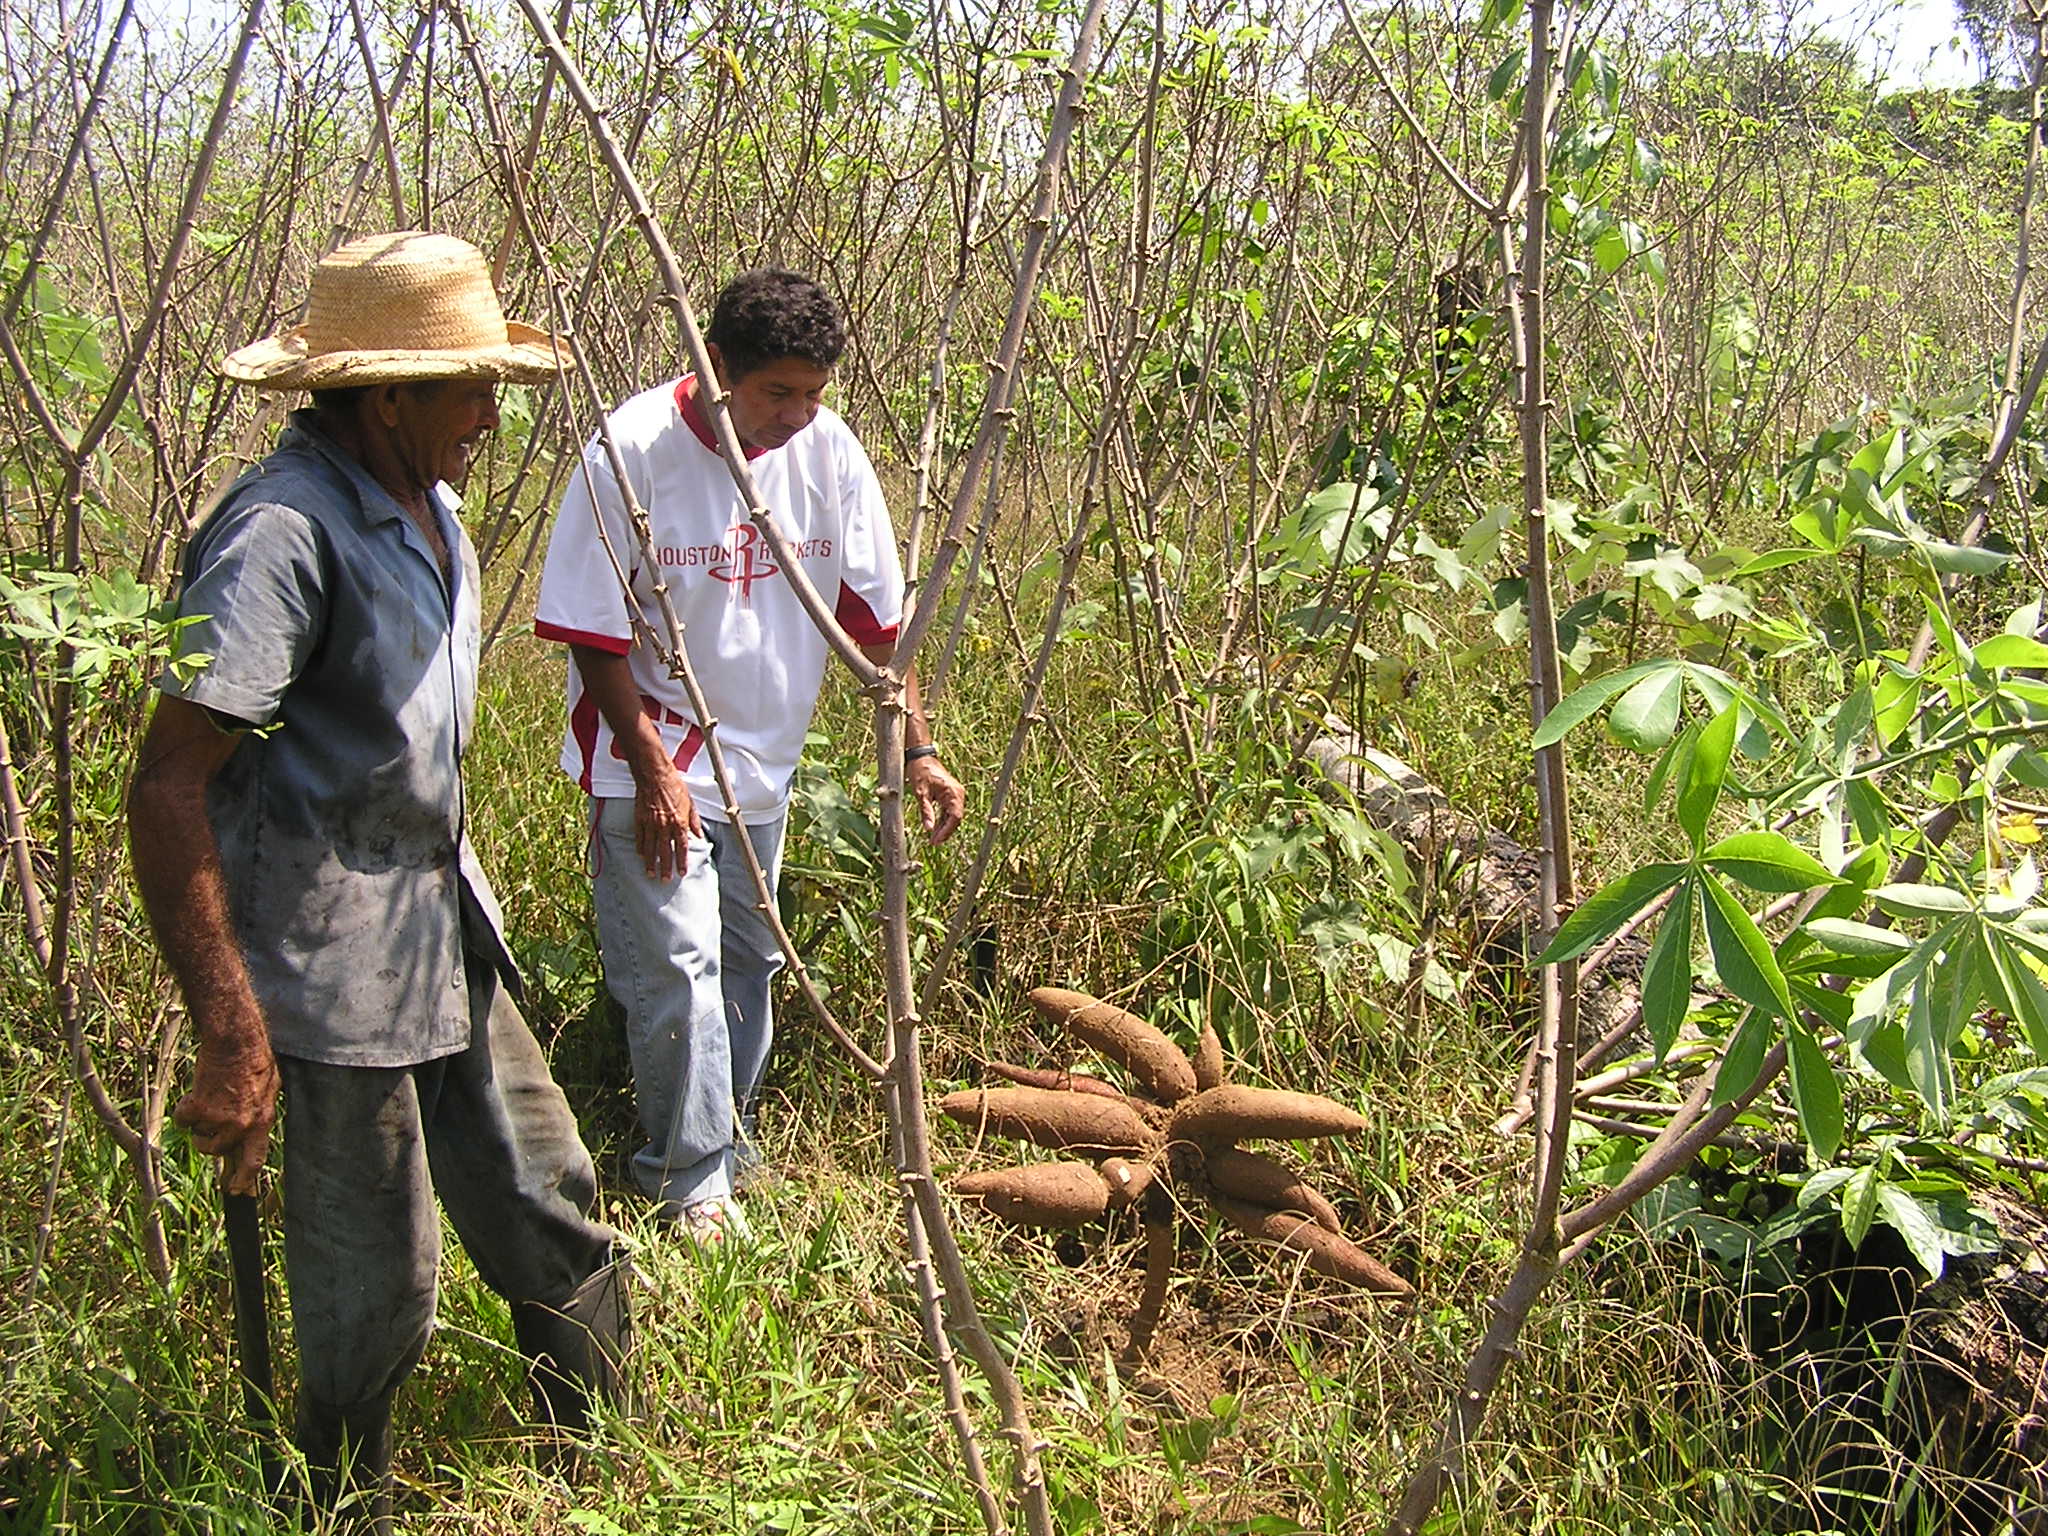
{"points": [[1170, 1141]]}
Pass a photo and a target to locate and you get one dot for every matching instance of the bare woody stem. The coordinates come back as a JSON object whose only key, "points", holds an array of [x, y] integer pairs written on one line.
{"points": [[377, 150], [1557, 1047], [394, 184], [996, 407], [907, 1099]]}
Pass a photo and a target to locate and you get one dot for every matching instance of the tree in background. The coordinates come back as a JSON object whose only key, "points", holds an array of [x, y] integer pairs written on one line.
{"points": [[1992, 27]]}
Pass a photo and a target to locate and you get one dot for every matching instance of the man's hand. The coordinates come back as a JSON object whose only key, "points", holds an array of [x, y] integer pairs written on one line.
{"points": [[230, 1109], [664, 820], [941, 800]]}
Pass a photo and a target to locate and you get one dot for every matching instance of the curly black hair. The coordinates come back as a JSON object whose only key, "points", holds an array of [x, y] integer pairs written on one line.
{"points": [[770, 313]]}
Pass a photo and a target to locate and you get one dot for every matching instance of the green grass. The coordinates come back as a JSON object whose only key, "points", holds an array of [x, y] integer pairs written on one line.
{"points": [[785, 1388]]}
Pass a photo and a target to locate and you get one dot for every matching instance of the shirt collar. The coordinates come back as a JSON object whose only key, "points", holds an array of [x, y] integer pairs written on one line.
{"points": [[691, 404], [303, 430]]}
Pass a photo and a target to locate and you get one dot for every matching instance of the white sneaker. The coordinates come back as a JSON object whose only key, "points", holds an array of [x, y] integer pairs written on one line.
{"points": [[708, 1223]]}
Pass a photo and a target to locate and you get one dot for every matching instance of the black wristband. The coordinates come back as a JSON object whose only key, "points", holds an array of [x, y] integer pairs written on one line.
{"points": [[912, 754]]}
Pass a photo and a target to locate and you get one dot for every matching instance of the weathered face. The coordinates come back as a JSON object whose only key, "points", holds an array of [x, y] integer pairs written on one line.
{"points": [[772, 403], [437, 426]]}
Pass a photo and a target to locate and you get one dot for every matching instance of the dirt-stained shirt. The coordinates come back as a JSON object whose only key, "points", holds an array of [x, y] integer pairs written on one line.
{"points": [[333, 634]]}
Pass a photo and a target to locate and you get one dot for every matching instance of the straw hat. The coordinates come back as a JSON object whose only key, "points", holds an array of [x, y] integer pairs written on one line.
{"points": [[393, 308]]}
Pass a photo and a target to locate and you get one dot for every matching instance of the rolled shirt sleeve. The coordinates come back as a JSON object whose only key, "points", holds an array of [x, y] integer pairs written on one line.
{"points": [[581, 601], [869, 605], [253, 600]]}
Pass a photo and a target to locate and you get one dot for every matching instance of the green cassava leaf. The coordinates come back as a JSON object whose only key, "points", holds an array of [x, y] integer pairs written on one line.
{"points": [[1774, 560], [1768, 861], [1921, 900], [1742, 954], [2017, 989], [1816, 1092], [2012, 651], [1667, 973], [1843, 937], [1897, 696], [1705, 773], [1743, 1057], [1899, 1210], [1585, 702], [1859, 1205], [1607, 909], [1867, 868], [1646, 717], [1927, 1060], [1672, 759]]}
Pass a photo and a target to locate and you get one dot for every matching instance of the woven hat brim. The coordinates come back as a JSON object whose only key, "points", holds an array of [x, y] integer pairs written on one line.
{"points": [[529, 356]]}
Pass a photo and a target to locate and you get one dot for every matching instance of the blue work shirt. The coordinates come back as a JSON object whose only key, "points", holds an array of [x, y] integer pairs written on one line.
{"points": [[340, 819]]}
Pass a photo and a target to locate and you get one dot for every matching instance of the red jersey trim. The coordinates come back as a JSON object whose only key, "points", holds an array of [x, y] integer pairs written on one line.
{"points": [[859, 621], [699, 419], [608, 643]]}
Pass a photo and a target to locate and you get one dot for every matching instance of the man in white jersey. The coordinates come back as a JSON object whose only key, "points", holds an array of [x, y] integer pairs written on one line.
{"points": [[686, 953]]}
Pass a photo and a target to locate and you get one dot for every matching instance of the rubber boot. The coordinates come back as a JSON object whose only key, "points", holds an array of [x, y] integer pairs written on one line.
{"points": [[578, 1350], [348, 1464]]}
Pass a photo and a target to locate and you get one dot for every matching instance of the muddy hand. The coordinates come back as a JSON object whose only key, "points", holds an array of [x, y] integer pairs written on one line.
{"points": [[229, 1111]]}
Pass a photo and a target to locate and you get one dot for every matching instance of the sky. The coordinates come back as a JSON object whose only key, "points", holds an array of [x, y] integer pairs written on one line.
{"points": [[1908, 42], [1915, 42]]}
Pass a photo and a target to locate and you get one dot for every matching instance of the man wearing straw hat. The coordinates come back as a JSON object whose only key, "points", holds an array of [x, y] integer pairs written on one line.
{"points": [[300, 840]]}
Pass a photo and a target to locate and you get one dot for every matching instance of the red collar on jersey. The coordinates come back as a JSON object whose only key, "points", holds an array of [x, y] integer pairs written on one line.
{"points": [[692, 407]]}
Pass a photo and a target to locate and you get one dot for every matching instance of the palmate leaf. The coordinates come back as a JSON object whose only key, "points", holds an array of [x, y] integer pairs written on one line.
{"points": [[1607, 909], [1743, 1056], [1816, 1092], [1705, 772], [1667, 973], [1742, 954], [1584, 702], [1646, 717], [1769, 862]]}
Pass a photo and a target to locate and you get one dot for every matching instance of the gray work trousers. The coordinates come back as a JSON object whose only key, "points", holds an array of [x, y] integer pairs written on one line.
{"points": [[365, 1151]]}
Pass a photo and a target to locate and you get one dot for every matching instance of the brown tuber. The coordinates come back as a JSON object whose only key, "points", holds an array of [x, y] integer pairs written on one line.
{"points": [[1124, 1038], [1127, 1180], [1055, 1079], [1219, 1116], [1328, 1252], [1259, 1180], [1039, 1195], [1048, 1118], [1209, 1058]]}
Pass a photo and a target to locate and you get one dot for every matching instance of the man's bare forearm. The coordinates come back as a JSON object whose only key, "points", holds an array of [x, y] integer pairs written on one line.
{"points": [[178, 873], [177, 869], [917, 731], [608, 679]]}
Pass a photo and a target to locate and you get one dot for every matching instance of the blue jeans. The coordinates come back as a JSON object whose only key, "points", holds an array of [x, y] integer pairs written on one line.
{"points": [[691, 961]]}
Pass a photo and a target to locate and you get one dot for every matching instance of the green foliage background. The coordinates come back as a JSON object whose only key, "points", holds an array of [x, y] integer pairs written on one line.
{"points": [[1777, 329]]}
